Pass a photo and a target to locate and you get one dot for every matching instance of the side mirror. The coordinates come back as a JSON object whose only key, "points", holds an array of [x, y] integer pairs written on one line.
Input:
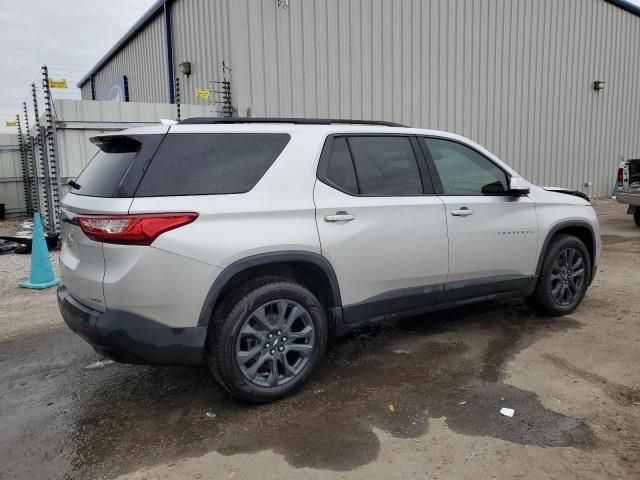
{"points": [[518, 186]]}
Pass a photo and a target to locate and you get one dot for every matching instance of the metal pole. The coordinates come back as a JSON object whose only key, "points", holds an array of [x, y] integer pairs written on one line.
{"points": [[51, 135], [42, 162], [25, 168], [47, 181], [31, 167], [178, 98]]}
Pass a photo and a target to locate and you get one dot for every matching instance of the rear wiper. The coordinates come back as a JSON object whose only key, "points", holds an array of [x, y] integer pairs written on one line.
{"points": [[73, 185]]}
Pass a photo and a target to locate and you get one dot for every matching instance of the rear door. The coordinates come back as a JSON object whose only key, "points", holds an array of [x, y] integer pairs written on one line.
{"points": [[380, 224], [493, 236]]}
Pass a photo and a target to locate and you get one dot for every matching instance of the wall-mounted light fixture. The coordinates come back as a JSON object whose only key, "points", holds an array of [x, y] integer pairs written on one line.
{"points": [[185, 67], [598, 85]]}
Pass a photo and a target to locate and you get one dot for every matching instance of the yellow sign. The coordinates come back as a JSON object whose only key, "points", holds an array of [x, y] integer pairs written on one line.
{"points": [[11, 124], [58, 83], [203, 93]]}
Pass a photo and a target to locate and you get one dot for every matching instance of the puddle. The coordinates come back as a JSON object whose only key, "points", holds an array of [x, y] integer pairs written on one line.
{"points": [[615, 239], [69, 421]]}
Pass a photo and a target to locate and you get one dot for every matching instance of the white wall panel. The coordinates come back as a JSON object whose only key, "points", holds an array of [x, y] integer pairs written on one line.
{"points": [[11, 191]]}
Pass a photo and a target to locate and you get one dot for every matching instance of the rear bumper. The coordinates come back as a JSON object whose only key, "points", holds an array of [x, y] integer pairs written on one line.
{"points": [[628, 198], [130, 338]]}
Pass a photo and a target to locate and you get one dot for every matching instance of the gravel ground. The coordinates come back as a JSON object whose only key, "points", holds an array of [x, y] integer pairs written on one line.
{"points": [[417, 398], [23, 309]]}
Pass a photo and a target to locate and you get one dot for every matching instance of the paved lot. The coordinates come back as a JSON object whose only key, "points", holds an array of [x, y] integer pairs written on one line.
{"points": [[574, 383]]}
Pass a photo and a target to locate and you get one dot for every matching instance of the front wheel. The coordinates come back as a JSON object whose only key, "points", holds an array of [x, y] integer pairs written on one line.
{"points": [[267, 339], [636, 216], [564, 277]]}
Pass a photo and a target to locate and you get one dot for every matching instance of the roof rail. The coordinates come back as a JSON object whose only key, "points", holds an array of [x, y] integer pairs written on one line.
{"points": [[297, 121]]}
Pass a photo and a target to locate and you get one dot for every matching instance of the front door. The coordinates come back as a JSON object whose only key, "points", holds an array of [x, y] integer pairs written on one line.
{"points": [[493, 236], [380, 225]]}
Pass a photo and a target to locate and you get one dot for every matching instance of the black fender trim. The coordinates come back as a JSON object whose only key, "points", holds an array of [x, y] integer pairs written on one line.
{"points": [[287, 256], [561, 226]]}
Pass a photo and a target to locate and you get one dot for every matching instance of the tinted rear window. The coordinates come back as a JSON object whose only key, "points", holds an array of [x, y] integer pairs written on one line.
{"points": [[105, 170], [206, 163]]}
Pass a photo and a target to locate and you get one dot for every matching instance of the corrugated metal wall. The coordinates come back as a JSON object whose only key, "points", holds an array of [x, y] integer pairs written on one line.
{"points": [[200, 36], [144, 63], [515, 76], [85, 91], [11, 193]]}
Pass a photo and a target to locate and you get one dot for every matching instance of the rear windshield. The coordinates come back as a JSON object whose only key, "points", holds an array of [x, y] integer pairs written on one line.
{"points": [[103, 173], [206, 163]]}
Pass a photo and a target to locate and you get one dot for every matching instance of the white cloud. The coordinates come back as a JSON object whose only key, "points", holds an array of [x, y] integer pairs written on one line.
{"points": [[70, 36]]}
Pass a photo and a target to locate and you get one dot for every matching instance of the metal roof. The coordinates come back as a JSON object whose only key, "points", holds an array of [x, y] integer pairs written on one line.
{"points": [[158, 7], [137, 27]]}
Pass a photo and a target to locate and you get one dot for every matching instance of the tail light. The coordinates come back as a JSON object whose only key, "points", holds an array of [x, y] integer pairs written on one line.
{"points": [[132, 229], [620, 177]]}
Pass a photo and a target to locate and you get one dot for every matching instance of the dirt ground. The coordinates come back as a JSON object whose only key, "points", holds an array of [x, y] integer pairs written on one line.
{"points": [[416, 398]]}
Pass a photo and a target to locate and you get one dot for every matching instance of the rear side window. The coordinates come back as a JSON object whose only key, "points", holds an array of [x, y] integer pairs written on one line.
{"points": [[340, 170], [206, 163], [102, 175], [385, 166]]}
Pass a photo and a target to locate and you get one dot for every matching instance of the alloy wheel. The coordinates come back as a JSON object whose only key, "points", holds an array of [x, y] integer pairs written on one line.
{"points": [[275, 343], [568, 275]]}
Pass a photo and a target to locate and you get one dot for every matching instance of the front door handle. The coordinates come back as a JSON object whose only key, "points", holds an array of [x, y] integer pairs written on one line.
{"points": [[339, 217], [463, 212]]}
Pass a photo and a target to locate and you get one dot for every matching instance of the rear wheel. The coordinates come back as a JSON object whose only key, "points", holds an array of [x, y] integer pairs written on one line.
{"points": [[564, 277], [636, 216], [268, 338]]}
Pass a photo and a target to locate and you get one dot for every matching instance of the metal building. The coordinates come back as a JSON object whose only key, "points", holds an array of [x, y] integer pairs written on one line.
{"points": [[516, 76]]}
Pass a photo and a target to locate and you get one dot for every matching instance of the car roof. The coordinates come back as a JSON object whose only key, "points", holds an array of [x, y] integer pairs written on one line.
{"points": [[285, 127], [319, 129]]}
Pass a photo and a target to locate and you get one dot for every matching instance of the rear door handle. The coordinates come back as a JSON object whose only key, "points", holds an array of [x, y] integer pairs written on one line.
{"points": [[463, 212], [339, 217]]}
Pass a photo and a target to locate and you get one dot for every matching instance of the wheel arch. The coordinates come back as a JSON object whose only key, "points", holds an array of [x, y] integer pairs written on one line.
{"points": [[310, 269], [580, 229]]}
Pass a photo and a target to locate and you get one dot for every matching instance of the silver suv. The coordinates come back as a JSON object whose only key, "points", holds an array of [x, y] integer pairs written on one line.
{"points": [[248, 244]]}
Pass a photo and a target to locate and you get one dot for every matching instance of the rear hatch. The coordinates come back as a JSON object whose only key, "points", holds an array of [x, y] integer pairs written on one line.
{"points": [[105, 186]]}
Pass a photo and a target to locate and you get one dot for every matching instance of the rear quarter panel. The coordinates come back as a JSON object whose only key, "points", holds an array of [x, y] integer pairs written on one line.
{"points": [[277, 214]]}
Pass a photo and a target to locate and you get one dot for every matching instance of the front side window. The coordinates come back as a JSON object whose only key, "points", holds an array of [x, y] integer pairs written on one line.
{"points": [[463, 171]]}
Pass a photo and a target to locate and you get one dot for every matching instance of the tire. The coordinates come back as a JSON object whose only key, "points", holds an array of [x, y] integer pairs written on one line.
{"points": [[636, 216], [251, 327], [548, 298]]}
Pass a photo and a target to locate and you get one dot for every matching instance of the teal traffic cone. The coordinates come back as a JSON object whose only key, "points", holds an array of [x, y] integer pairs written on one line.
{"points": [[41, 272]]}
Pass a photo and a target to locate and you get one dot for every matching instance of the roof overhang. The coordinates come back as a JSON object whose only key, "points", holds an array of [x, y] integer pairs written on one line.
{"points": [[147, 18], [626, 5]]}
